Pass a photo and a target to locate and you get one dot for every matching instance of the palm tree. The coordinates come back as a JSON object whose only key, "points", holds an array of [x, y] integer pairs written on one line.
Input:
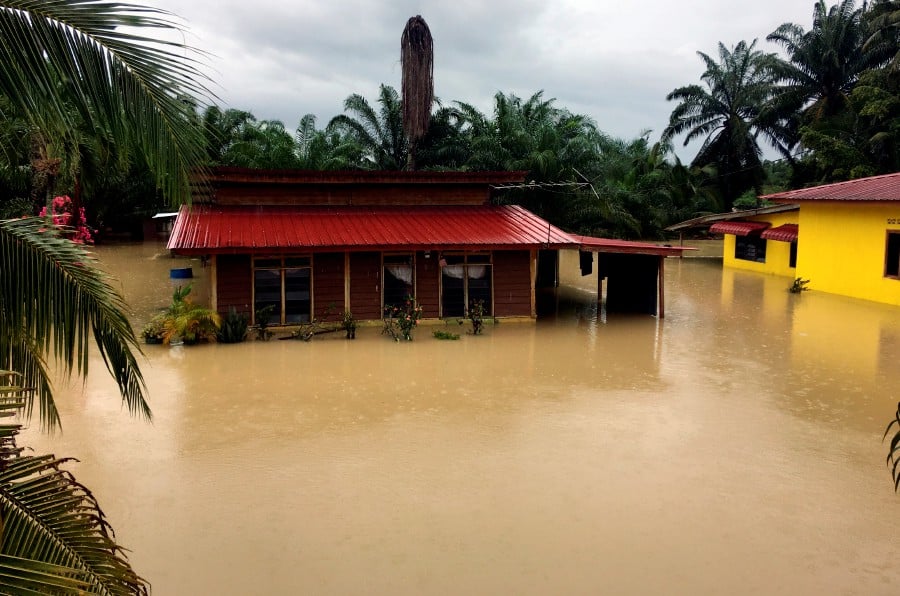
{"points": [[326, 149], [379, 134], [883, 25], [729, 113], [68, 59], [90, 66], [823, 63]]}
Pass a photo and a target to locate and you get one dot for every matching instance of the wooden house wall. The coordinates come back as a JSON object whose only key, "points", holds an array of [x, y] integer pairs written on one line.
{"points": [[365, 285], [512, 283], [234, 284], [428, 284], [328, 284], [401, 194]]}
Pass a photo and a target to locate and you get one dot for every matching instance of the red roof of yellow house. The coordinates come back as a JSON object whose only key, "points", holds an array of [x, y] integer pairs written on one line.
{"points": [[874, 188]]}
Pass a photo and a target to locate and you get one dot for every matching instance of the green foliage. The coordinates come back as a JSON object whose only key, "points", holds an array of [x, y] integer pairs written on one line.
{"points": [[155, 330], [348, 323], [186, 321], [55, 537], [263, 316], [475, 314], [55, 300], [100, 72], [445, 335], [399, 321], [234, 327]]}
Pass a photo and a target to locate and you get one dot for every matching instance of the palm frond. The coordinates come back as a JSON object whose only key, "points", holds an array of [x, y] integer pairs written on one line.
{"points": [[108, 62], [52, 293]]}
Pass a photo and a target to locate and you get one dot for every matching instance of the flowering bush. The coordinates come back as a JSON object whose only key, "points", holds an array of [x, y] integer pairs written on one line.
{"points": [[62, 214], [475, 313], [399, 321]]}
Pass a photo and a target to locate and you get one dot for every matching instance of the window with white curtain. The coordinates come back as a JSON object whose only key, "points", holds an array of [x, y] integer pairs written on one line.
{"points": [[465, 278], [398, 279]]}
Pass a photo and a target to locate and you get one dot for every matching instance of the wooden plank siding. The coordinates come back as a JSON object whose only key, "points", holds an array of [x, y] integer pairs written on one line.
{"points": [[335, 195], [428, 284], [328, 285], [512, 283], [234, 284], [365, 285]]}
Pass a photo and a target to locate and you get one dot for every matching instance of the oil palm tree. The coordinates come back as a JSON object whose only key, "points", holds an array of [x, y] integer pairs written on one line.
{"points": [[823, 63], [379, 133], [729, 113]]}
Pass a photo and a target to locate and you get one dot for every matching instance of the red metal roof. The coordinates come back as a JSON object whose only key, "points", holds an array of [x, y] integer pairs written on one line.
{"points": [[874, 188], [594, 244], [261, 228], [738, 228], [783, 233]]}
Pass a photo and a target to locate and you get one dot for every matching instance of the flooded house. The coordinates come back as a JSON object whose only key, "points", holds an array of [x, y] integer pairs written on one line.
{"points": [[843, 237], [306, 242]]}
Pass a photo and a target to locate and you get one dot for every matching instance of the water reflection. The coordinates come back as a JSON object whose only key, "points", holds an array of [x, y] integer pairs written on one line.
{"points": [[733, 447]]}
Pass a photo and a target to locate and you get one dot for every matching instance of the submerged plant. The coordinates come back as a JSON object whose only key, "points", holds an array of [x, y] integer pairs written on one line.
{"points": [[399, 321], [188, 321], [798, 286], [475, 314], [442, 334], [263, 315], [155, 330], [234, 327]]}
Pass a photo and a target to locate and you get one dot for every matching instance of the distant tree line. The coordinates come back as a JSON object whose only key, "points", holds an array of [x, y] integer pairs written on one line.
{"points": [[829, 106]]}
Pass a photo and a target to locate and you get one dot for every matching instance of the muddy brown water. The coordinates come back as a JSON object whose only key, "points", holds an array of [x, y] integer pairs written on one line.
{"points": [[732, 448]]}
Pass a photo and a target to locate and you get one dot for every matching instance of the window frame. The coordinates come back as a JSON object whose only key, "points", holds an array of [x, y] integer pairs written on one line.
{"points": [[412, 264], [892, 270], [283, 265], [758, 243], [465, 264]]}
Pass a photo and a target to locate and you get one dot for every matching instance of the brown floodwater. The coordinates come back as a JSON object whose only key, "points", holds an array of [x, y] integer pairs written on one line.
{"points": [[733, 447]]}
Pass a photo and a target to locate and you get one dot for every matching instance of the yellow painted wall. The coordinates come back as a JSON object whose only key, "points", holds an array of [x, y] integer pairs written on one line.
{"points": [[777, 253], [842, 248]]}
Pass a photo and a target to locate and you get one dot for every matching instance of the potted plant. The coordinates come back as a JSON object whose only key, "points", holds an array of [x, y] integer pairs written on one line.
{"points": [[475, 314], [154, 331], [399, 321]]}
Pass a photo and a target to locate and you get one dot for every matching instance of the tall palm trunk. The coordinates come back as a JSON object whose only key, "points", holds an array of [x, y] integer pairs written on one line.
{"points": [[417, 61]]}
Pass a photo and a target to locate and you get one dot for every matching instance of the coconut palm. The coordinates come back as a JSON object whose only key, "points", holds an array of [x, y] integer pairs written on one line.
{"points": [[729, 114], [825, 62], [379, 134]]}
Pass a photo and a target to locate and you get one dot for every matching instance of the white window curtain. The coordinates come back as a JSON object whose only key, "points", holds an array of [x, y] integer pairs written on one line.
{"points": [[477, 271], [454, 271], [402, 272]]}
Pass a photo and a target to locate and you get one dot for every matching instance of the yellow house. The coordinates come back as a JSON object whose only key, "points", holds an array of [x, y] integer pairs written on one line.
{"points": [[763, 240], [849, 237]]}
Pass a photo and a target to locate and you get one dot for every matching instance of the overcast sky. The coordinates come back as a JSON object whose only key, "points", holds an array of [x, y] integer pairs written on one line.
{"points": [[613, 60]]}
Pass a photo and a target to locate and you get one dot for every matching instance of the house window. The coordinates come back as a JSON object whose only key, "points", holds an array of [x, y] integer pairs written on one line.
{"points": [[892, 255], [285, 284], [750, 248], [792, 259], [465, 278], [398, 279]]}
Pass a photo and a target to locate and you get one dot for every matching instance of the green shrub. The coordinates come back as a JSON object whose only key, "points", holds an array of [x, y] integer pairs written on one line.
{"points": [[234, 327]]}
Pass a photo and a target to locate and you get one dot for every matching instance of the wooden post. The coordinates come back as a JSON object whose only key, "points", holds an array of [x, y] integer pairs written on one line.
{"points": [[662, 286]]}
